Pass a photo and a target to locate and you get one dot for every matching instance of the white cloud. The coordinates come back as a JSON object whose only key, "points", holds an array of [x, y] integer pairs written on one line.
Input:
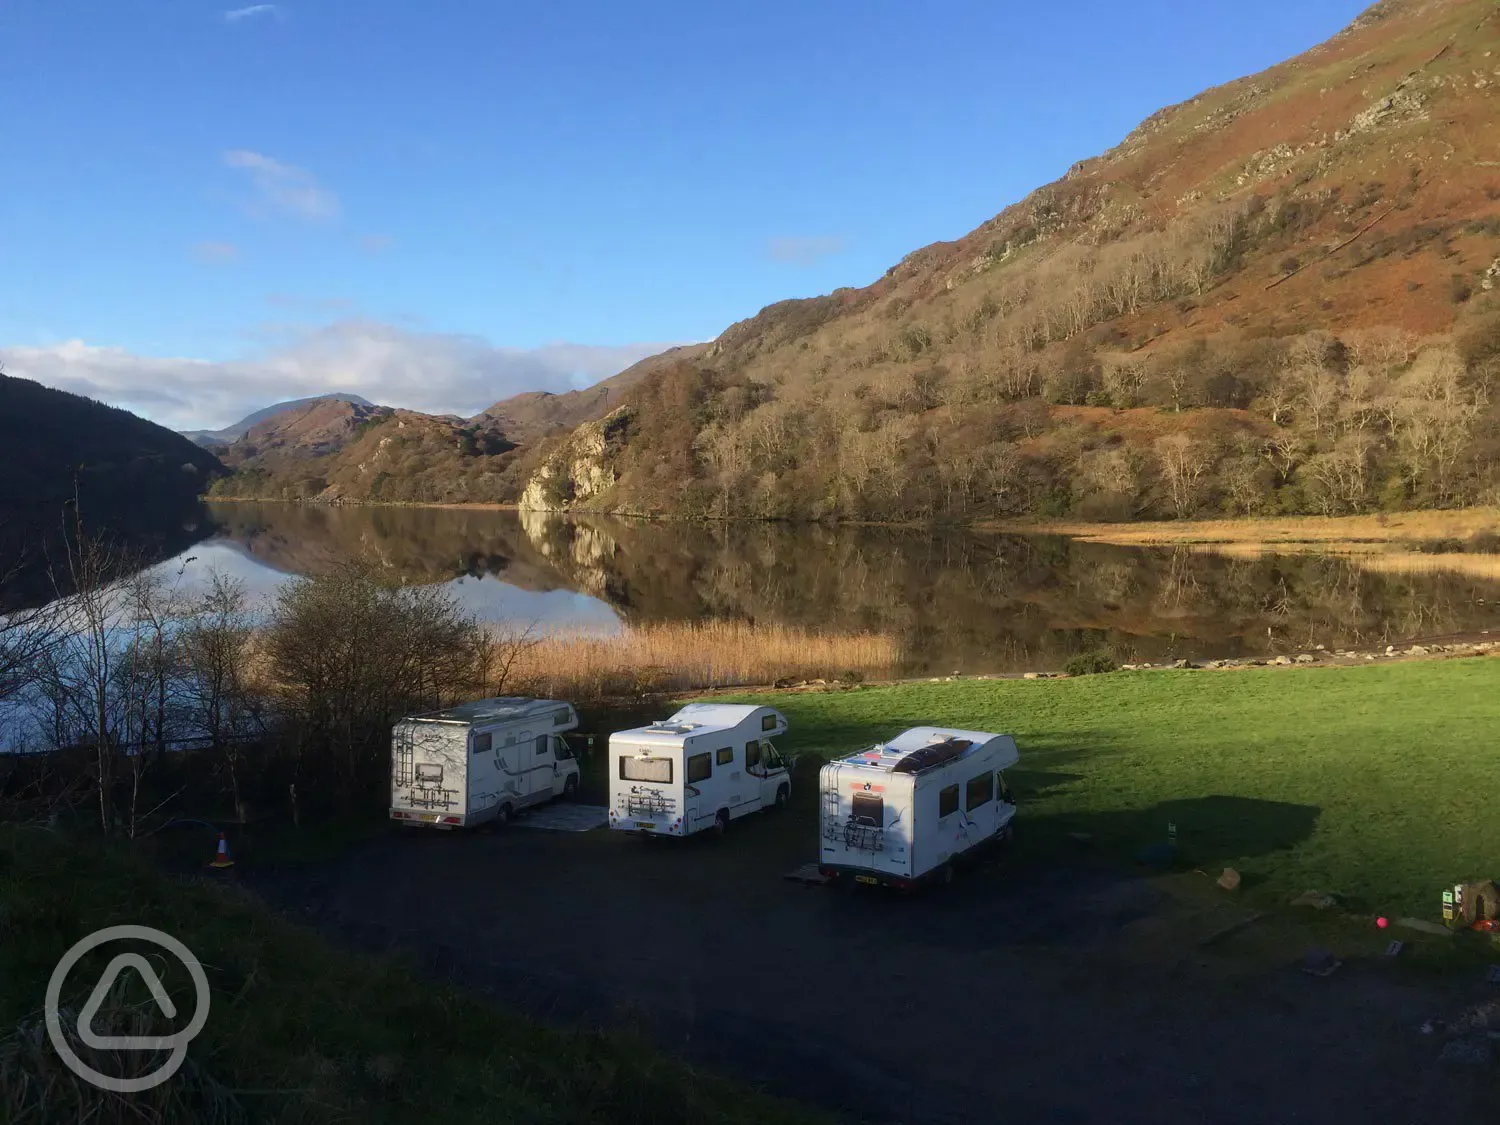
{"points": [[285, 187], [437, 373], [234, 15], [216, 252], [804, 251]]}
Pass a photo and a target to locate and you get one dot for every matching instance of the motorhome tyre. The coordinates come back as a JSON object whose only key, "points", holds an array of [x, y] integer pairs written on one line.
{"points": [[782, 795], [503, 815], [721, 822], [570, 787]]}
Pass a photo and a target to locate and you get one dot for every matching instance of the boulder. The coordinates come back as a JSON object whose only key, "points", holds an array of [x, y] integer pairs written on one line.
{"points": [[1306, 658], [1230, 880]]}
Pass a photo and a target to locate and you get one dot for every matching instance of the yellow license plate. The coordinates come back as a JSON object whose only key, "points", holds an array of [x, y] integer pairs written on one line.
{"points": [[646, 827], [430, 818], [865, 879]]}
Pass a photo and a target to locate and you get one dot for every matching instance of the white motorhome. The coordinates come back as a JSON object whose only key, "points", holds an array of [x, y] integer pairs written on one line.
{"points": [[483, 761], [902, 811], [707, 765]]}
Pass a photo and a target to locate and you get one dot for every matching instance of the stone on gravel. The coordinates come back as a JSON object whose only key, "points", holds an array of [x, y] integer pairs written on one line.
{"points": [[1230, 880], [1318, 900]]}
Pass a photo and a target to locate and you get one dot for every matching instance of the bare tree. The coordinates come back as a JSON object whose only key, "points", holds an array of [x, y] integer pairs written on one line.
{"points": [[1184, 462], [83, 667], [217, 641], [27, 633]]}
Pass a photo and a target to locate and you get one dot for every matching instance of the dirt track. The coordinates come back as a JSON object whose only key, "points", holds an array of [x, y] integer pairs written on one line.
{"points": [[1021, 993]]}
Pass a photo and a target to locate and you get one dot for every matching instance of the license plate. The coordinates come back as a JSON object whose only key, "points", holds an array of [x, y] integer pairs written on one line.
{"points": [[428, 817], [865, 879], [645, 825]]}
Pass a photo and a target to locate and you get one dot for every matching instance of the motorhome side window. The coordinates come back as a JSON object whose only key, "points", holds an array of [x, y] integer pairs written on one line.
{"points": [[981, 791], [482, 742], [947, 801], [725, 756], [700, 767], [768, 722], [646, 769], [559, 718], [543, 744], [866, 808]]}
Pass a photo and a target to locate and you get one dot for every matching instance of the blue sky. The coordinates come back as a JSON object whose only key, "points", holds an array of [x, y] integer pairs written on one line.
{"points": [[199, 211]]}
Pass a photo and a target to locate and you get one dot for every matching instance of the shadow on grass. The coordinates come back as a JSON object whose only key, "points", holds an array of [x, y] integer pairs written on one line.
{"points": [[1210, 831]]}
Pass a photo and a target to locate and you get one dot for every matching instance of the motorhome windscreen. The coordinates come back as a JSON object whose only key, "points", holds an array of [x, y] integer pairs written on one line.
{"points": [[867, 809], [646, 769]]}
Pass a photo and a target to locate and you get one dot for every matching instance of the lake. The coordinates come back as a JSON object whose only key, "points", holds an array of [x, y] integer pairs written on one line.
{"points": [[956, 601]]}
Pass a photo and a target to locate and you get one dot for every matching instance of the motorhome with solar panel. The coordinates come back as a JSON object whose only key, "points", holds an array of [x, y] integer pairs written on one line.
{"points": [[482, 761], [708, 764], [904, 810]]}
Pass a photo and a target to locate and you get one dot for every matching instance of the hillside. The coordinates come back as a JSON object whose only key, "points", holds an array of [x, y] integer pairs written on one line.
{"points": [[1276, 297], [529, 417], [339, 451], [129, 476], [214, 438], [342, 448]]}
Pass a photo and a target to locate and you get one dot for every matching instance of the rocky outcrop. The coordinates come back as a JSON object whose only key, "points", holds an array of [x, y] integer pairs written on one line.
{"points": [[580, 469]]}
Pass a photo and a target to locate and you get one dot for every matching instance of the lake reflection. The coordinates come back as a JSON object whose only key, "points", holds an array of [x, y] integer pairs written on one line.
{"points": [[956, 601]]}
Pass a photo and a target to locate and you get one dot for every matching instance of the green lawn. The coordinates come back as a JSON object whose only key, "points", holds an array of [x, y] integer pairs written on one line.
{"points": [[298, 1031], [1381, 783]]}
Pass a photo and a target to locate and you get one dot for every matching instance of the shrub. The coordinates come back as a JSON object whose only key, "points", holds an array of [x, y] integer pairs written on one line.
{"points": [[1090, 663]]}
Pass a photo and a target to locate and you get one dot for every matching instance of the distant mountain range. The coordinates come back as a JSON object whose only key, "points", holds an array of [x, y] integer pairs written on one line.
{"points": [[339, 448], [212, 438]]}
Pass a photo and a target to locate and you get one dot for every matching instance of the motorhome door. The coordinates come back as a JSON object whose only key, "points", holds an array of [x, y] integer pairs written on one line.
{"points": [[766, 765]]}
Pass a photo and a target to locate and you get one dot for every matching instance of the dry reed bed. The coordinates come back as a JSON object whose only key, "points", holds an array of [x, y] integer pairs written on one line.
{"points": [[690, 656], [1317, 532]]}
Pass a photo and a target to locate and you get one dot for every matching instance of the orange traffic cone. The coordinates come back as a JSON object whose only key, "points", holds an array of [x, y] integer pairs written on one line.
{"points": [[221, 859]]}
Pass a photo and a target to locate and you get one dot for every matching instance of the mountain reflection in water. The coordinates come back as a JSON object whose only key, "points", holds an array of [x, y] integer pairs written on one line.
{"points": [[956, 601]]}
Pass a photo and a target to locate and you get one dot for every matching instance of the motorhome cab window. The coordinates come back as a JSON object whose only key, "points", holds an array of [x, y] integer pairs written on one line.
{"points": [[768, 722], [561, 748], [482, 742], [700, 767], [981, 791], [646, 769], [947, 801], [725, 757], [1004, 787], [868, 809]]}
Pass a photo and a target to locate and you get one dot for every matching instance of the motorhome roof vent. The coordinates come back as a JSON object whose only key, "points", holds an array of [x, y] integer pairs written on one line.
{"points": [[932, 755]]}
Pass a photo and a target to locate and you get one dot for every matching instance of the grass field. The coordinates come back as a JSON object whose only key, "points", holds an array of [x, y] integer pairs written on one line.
{"points": [[1379, 783], [299, 1032]]}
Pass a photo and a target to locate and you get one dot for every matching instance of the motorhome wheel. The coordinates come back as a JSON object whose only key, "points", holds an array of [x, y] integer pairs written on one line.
{"points": [[781, 797], [721, 822], [503, 816], [946, 875], [570, 787]]}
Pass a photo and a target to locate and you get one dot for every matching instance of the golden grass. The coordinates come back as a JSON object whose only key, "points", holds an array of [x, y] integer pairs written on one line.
{"points": [[1411, 562], [689, 656], [1290, 532]]}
